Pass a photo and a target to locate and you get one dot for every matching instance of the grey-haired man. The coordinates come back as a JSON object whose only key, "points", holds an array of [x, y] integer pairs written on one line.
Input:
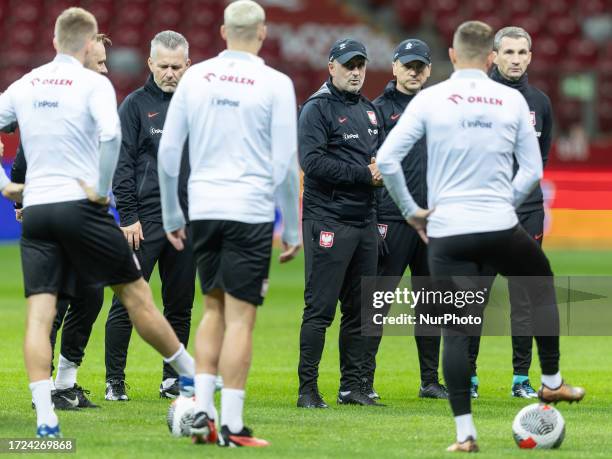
{"points": [[136, 190]]}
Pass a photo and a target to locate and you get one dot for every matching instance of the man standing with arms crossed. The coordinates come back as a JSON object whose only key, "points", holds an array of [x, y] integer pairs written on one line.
{"points": [[404, 247], [475, 128], [71, 136], [339, 134], [136, 191], [240, 116], [78, 313]]}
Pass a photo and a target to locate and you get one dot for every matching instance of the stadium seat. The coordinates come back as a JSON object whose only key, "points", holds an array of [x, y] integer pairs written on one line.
{"points": [[28, 11], [556, 8], [563, 29], [487, 8], [532, 23], [410, 13], [518, 8], [588, 8], [545, 50], [444, 7], [584, 51]]}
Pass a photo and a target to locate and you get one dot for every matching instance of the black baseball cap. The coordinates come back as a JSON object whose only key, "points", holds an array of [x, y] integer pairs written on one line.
{"points": [[412, 50], [345, 49]]}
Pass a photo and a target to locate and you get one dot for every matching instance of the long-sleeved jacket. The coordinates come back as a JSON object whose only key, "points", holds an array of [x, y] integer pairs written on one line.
{"points": [[541, 119], [391, 104], [136, 184], [338, 134]]}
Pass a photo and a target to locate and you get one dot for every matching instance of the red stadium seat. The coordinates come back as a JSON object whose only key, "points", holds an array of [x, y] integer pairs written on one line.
{"points": [[584, 51], [487, 8], [171, 17], [555, 8], [563, 28], [545, 49], [127, 35], [53, 8], [533, 24], [593, 7], [132, 14], [604, 116], [409, 12], [26, 11], [444, 7], [520, 8]]}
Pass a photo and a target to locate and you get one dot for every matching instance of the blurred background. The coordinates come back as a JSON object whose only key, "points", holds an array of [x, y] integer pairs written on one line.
{"points": [[572, 63]]}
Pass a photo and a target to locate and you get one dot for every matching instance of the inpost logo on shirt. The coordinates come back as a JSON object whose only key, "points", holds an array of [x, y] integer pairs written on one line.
{"points": [[346, 136], [466, 124], [45, 104], [155, 131]]}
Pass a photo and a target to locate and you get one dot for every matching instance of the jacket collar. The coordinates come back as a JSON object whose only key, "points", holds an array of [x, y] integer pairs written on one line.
{"points": [[67, 59], [520, 84], [392, 92], [152, 87], [346, 97]]}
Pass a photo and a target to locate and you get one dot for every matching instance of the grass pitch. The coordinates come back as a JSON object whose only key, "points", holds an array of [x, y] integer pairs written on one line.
{"points": [[407, 427]]}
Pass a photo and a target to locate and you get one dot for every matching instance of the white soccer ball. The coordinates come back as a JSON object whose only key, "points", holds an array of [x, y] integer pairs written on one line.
{"points": [[538, 426], [180, 416]]}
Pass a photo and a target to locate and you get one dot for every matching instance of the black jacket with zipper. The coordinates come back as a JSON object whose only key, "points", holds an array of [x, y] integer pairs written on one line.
{"points": [[135, 184], [391, 104], [541, 118], [338, 135]]}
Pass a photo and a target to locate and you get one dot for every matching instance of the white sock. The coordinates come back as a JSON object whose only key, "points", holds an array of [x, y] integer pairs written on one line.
{"points": [[182, 362], [232, 403], [205, 394], [41, 395], [52, 383], [66, 376], [465, 427], [552, 381]]}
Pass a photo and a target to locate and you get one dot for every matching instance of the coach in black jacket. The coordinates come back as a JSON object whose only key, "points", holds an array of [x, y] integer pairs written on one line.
{"points": [[339, 135], [404, 247], [513, 55], [136, 191]]}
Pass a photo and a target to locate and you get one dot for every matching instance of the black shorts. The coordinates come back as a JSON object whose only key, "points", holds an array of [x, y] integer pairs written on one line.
{"points": [[234, 257], [75, 239]]}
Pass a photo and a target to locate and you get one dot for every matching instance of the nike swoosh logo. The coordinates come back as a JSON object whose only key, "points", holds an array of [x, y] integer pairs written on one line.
{"points": [[342, 119], [151, 115], [395, 116], [74, 402], [538, 236]]}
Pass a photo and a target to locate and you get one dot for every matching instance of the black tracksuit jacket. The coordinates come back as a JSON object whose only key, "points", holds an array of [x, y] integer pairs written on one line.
{"points": [[135, 184], [338, 134], [541, 118], [391, 104]]}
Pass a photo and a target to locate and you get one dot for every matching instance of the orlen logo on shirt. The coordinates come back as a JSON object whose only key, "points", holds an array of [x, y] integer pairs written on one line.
{"points": [[237, 79], [52, 81], [456, 98]]}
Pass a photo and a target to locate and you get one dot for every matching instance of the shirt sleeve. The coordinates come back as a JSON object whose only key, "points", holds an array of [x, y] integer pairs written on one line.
{"points": [[124, 181], [7, 109], [176, 128], [4, 180], [284, 151], [103, 109], [399, 142], [317, 163], [527, 154]]}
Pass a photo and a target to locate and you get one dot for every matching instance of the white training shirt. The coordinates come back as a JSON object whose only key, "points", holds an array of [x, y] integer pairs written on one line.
{"points": [[473, 127], [241, 119], [64, 111]]}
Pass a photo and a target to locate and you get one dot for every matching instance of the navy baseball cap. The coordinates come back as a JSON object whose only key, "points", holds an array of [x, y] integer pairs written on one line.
{"points": [[345, 49], [412, 50]]}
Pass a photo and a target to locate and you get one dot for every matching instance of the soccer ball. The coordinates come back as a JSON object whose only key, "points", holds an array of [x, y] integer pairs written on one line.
{"points": [[180, 416], [538, 426]]}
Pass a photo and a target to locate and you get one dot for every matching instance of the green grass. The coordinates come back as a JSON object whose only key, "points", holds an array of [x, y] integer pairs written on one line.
{"points": [[407, 427]]}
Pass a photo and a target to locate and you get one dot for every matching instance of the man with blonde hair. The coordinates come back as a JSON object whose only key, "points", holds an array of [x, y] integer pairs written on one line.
{"points": [[67, 116], [240, 116], [475, 127]]}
